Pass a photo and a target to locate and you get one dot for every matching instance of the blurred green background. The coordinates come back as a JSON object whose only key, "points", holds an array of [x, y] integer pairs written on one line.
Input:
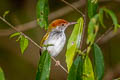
{"points": [[23, 67]]}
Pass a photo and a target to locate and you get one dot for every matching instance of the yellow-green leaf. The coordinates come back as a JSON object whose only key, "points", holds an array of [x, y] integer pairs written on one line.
{"points": [[43, 71], [14, 34], [2, 77], [101, 18], [74, 42], [93, 27], [5, 13], [42, 13], [23, 43], [88, 70]]}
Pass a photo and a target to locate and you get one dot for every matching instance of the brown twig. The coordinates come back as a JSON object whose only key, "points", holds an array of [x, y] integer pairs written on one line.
{"points": [[19, 31], [29, 39], [73, 7], [84, 29], [102, 36]]}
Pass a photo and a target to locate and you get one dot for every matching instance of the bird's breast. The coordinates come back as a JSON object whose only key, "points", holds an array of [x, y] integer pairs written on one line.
{"points": [[57, 39]]}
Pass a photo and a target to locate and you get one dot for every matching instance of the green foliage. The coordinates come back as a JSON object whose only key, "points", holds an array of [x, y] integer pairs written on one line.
{"points": [[2, 74], [111, 14], [74, 42], [93, 27], [101, 18], [88, 70], [42, 13], [23, 43], [92, 8], [44, 66], [5, 13], [14, 34], [76, 70], [98, 62]]}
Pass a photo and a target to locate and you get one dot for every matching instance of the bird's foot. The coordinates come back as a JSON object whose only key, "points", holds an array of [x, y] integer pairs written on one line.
{"points": [[57, 63]]}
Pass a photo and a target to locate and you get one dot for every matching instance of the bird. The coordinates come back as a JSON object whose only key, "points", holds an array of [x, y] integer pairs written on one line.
{"points": [[55, 35]]}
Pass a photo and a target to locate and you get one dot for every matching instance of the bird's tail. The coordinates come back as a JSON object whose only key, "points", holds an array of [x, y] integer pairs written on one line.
{"points": [[40, 51]]}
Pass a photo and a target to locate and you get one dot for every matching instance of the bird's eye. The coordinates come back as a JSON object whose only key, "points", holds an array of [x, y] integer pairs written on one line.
{"points": [[62, 24]]}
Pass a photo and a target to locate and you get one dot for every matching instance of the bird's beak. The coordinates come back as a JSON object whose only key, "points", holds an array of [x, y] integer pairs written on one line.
{"points": [[71, 23]]}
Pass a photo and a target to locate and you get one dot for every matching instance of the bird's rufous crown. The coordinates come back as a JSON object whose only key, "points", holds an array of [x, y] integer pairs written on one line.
{"points": [[58, 22]]}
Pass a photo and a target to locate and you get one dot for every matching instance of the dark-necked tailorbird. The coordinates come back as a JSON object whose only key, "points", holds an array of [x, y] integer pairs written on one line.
{"points": [[55, 36]]}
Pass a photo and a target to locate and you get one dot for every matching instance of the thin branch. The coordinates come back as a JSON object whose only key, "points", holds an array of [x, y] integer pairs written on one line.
{"points": [[73, 7], [84, 30], [29, 39], [60, 65], [104, 35], [20, 32], [22, 27]]}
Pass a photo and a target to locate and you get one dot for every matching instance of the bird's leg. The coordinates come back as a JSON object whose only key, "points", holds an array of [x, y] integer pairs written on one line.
{"points": [[57, 63]]}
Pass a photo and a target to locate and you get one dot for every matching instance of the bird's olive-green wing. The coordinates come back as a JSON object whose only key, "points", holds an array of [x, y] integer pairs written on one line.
{"points": [[44, 38]]}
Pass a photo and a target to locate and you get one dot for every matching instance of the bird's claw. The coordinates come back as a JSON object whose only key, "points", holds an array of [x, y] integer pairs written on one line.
{"points": [[57, 63]]}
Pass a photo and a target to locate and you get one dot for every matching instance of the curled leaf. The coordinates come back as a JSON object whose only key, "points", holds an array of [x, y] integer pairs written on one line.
{"points": [[113, 16], [101, 18], [14, 34], [5, 13]]}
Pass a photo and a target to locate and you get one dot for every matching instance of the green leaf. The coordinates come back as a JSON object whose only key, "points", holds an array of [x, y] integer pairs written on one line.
{"points": [[14, 34], [92, 8], [23, 43], [101, 18], [93, 27], [2, 77], [98, 62], [113, 16], [5, 13], [43, 70], [74, 42], [42, 13], [88, 70], [76, 70]]}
